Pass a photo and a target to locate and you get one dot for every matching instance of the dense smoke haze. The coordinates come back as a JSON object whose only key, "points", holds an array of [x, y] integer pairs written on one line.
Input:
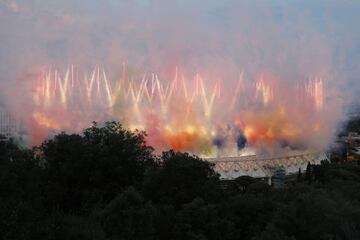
{"points": [[298, 63]]}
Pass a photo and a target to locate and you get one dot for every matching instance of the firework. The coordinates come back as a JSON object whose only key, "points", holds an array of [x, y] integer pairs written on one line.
{"points": [[186, 114]]}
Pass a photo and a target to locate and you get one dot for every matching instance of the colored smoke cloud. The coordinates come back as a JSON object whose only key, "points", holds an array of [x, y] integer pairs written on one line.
{"points": [[282, 42]]}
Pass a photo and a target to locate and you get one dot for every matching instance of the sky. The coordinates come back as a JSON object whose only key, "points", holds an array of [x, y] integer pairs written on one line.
{"points": [[217, 38], [284, 36]]}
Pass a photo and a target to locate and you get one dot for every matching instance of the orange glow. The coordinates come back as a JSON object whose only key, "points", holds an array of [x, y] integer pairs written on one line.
{"points": [[46, 122], [186, 114], [250, 134], [182, 140]]}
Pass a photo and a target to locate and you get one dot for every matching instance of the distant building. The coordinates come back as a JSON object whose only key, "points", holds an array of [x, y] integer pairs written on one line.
{"points": [[351, 147], [278, 179], [8, 124]]}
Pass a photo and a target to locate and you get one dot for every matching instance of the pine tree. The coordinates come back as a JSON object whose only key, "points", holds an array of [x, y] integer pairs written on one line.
{"points": [[299, 175], [308, 174]]}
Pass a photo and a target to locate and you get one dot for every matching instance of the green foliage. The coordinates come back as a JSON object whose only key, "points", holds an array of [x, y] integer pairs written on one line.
{"points": [[60, 226], [250, 213], [128, 216], [258, 187], [353, 125], [181, 178], [198, 220], [272, 233], [243, 182], [106, 184], [317, 216], [15, 206], [309, 173], [90, 169]]}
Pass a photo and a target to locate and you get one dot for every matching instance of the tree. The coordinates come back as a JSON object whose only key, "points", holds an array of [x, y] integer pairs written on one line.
{"points": [[299, 176], [180, 179], [249, 212], [308, 174], [198, 220], [320, 171], [16, 209], [272, 233], [59, 226], [84, 170], [258, 187], [243, 182], [353, 125], [128, 216]]}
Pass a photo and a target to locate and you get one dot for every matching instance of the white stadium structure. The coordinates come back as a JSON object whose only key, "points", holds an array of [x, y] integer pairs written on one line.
{"points": [[264, 166]]}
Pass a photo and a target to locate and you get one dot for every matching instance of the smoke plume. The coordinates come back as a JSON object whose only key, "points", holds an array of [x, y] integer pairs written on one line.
{"points": [[282, 73]]}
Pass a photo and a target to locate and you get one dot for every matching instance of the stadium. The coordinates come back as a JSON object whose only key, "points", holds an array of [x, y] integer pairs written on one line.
{"points": [[264, 166]]}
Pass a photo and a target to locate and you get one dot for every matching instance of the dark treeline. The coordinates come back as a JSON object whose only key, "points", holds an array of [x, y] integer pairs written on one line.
{"points": [[353, 125], [106, 183]]}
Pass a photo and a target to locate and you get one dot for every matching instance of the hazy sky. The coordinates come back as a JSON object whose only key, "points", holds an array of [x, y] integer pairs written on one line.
{"points": [[289, 38]]}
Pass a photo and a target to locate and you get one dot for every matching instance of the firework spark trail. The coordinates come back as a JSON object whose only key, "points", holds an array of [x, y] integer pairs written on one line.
{"points": [[264, 91], [238, 89], [186, 114], [315, 89], [208, 101]]}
